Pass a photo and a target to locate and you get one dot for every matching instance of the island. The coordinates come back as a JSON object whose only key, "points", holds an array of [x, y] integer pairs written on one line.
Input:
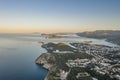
{"points": [[53, 36]]}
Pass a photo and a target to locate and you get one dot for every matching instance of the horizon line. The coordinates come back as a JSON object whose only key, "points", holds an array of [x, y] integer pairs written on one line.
{"points": [[57, 32]]}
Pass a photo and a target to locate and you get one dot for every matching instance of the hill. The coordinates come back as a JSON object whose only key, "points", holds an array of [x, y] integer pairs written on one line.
{"points": [[110, 35]]}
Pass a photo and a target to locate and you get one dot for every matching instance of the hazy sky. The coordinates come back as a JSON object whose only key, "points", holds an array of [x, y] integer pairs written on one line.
{"points": [[58, 15]]}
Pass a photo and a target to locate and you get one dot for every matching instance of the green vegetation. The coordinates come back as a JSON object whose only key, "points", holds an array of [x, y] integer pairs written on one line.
{"points": [[62, 44], [85, 78], [58, 60], [61, 59], [73, 73], [59, 46], [97, 75]]}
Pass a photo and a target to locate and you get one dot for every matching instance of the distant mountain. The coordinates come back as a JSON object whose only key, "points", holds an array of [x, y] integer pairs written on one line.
{"points": [[110, 35], [101, 34]]}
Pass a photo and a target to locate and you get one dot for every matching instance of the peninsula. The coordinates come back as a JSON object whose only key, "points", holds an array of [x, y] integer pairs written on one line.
{"points": [[55, 60], [79, 61]]}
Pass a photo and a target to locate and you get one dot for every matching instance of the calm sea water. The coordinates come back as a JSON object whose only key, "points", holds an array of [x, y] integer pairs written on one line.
{"points": [[19, 51], [17, 59]]}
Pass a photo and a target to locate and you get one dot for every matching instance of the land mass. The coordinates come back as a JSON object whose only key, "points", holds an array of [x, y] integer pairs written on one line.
{"points": [[56, 58], [82, 61], [112, 36]]}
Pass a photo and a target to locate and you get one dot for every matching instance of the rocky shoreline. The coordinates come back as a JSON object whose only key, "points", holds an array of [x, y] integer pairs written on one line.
{"points": [[48, 61], [41, 61], [55, 62]]}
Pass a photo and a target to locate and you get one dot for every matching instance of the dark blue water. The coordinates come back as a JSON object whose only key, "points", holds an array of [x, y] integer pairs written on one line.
{"points": [[17, 60]]}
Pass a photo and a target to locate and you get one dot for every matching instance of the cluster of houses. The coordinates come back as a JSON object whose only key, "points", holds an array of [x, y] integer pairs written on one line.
{"points": [[78, 62], [111, 70], [94, 49], [63, 74], [58, 51], [102, 65], [82, 74]]}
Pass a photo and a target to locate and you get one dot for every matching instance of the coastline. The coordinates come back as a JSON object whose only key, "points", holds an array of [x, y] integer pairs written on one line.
{"points": [[56, 62], [53, 58], [46, 67], [43, 61]]}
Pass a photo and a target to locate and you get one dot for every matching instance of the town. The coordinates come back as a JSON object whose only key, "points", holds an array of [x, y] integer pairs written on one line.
{"points": [[104, 65]]}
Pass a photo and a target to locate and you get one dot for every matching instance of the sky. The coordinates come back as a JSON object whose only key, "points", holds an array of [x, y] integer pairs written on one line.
{"points": [[48, 16]]}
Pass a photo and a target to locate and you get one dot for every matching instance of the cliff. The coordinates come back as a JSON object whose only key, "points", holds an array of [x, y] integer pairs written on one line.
{"points": [[48, 62], [55, 62]]}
